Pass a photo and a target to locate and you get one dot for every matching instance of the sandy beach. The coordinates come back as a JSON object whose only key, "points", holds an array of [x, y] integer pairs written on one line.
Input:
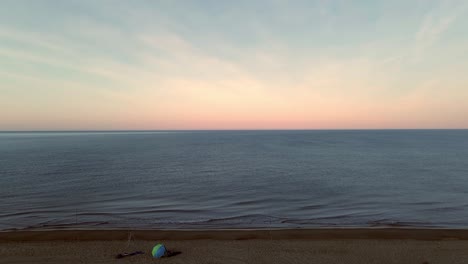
{"points": [[239, 246]]}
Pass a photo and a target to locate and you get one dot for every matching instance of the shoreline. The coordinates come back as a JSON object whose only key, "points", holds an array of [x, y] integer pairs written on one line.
{"points": [[234, 234]]}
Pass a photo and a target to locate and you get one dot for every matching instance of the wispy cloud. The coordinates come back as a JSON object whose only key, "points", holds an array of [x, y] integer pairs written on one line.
{"points": [[434, 24]]}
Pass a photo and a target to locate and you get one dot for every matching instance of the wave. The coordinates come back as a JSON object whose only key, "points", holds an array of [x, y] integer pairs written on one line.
{"points": [[234, 222]]}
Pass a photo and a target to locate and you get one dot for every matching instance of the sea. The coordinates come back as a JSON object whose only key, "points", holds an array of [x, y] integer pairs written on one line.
{"points": [[234, 179]]}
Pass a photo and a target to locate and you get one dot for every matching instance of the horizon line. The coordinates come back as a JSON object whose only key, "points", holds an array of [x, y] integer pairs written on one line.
{"points": [[220, 130]]}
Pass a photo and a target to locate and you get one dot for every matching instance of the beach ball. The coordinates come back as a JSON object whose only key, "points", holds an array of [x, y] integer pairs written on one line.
{"points": [[158, 251]]}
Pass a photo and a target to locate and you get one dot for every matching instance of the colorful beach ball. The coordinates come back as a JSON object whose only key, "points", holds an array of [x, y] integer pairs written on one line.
{"points": [[158, 251]]}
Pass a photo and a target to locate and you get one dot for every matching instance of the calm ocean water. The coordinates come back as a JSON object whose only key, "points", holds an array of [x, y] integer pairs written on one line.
{"points": [[234, 179]]}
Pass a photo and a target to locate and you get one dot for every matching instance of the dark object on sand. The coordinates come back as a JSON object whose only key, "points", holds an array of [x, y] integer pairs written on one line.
{"points": [[123, 255], [170, 253]]}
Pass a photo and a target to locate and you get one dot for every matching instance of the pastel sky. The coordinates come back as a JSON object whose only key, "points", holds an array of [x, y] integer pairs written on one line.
{"points": [[110, 64]]}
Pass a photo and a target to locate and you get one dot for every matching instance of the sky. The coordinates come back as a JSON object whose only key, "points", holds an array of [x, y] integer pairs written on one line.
{"points": [[130, 65]]}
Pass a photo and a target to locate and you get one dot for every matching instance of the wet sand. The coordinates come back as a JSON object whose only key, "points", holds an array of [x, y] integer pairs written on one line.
{"points": [[239, 246]]}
